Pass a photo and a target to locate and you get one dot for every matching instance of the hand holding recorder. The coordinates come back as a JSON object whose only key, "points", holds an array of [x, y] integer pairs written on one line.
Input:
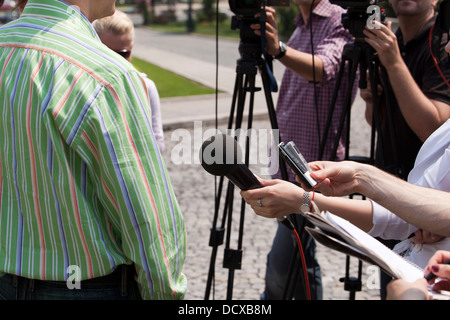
{"points": [[290, 153]]}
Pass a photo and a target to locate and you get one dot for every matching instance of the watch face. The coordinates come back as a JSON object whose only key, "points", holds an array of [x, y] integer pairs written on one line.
{"points": [[304, 208], [282, 50]]}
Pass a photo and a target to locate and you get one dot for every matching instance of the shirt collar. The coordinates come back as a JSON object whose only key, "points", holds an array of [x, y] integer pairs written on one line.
{"points": [[423, 32], [58, 10], [323, 9]]}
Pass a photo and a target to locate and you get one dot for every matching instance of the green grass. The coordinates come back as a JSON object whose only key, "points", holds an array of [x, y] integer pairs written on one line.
{"points": [[170, 84], [206, 29]]}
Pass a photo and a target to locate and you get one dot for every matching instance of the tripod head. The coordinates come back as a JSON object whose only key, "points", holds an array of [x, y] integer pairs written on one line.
{"points": [[250, 43], [359, 14], [248, 12]]}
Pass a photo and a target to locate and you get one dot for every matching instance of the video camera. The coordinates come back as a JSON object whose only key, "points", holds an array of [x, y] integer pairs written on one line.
{"points": [[249, 12], [355, 20]]}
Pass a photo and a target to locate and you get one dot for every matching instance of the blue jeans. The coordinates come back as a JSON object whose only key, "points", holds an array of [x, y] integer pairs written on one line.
{"points": [[279, 261], [120, 285]]}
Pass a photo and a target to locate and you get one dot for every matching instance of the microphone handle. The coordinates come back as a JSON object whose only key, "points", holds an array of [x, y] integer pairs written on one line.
{"points": [[244, 179]]}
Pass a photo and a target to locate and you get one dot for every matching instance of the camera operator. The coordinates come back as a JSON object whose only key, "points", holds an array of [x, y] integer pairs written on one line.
{"points": [[300, 119], [420, 100]]}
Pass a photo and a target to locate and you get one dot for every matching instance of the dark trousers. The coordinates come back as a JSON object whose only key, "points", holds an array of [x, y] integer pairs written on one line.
{"points": [[119, 285], [279, 260]]}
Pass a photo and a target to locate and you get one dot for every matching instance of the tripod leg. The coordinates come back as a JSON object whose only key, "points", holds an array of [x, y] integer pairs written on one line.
{"points": [[217, 234], [233, 257], [273, 118], [216, 238], [353, 68], [332, 106]]}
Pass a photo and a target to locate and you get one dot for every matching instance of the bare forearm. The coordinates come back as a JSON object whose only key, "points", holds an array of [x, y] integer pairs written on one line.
{"points": [[423, 115], [358, 212], [302, 64], [425, 208]]}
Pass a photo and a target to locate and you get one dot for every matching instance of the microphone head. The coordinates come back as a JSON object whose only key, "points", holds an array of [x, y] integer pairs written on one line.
{"points": [[220, 154]]}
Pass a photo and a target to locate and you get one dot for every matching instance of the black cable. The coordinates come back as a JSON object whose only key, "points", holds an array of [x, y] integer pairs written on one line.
{"points": [[217, 66], [216, 114], [316, 103]]}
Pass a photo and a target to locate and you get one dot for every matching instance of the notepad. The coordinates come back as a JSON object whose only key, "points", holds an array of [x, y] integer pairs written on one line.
{"points": [[341, 235]]}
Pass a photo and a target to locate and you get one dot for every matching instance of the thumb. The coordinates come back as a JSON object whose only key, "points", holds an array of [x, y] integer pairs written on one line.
{"points": [[267, 183], [322, 174]]}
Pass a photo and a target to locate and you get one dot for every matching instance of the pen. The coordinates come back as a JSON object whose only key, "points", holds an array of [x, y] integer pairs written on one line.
{"points": [[431, 276]]}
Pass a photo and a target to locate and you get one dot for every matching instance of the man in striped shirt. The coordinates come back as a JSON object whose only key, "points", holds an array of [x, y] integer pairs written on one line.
{"points": [[84, 190]]}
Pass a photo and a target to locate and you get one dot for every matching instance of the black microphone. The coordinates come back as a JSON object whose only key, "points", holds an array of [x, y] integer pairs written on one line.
{"points": [[222, 156]]}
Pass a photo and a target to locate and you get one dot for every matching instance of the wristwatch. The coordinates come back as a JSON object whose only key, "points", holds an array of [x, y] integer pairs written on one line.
{"points": [[282, 50], [306, 204]]}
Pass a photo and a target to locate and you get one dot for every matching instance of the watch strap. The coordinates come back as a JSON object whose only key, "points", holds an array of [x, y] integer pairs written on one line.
{"points": [[306, 203], [282, 50]]}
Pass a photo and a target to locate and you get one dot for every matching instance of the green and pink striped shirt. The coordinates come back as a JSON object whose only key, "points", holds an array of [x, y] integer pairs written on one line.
{"points": [[82, 182]]}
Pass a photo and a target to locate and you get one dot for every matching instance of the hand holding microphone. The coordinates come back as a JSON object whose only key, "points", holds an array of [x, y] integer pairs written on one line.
{"points": [[222, 156], [225, 160]]}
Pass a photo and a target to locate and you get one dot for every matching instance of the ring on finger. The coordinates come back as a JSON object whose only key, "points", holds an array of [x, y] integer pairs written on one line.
{"points": [[259, 203]]}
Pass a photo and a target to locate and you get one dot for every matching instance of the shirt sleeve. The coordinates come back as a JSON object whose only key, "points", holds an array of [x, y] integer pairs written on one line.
{"points": [[155, 104], [435, 75], [134, 189], [330, 51], [388, 226]]}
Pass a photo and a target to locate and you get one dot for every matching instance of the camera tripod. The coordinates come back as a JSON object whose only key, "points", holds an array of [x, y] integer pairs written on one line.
{"points": [[246, 71], [359, 54]]}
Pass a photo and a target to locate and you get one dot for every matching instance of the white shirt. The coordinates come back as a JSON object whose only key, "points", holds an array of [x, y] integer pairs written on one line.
{"points": [[155, 104], [431, 170]]}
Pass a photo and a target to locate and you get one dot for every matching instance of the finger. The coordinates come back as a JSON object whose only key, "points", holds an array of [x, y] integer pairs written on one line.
{"points": [[324, 187], [270, 30], [324, 173], [418, 236], [262, 212], [442, 285], [251, 195], [315, 166], [255, 26], [267, 183], [271, 10], [436, 237], [373, 43], [384, 28], [270, 14], [389, 25], [439, 257], [375, 34], [441, 271]]}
